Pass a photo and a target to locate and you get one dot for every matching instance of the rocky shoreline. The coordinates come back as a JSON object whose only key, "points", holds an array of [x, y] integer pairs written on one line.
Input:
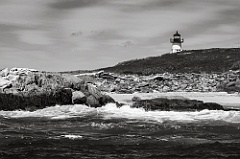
{"points": [[226, 82], [30, 89]]}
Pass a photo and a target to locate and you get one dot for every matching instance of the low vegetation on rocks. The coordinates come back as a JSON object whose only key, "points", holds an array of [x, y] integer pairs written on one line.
{"points": [[217, 60]]}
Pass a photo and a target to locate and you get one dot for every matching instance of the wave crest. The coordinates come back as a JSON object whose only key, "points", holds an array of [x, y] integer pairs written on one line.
{"points": [[111, 112]]}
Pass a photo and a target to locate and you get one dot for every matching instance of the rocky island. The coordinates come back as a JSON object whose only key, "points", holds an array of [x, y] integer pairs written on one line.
{"points": [[29, 89]]}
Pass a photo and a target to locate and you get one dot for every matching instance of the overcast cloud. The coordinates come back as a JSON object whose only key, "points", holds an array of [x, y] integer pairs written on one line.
{"points": [[60, 35]]}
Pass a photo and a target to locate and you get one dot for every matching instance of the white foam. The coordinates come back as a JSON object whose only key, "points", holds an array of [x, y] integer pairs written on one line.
{"points": [[55, 112], [69, 136], [111, 111], [161, 116], [73, 137]]}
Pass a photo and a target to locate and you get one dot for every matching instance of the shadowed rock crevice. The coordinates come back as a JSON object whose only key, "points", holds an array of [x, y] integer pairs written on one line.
{"points": [[35, 100]]}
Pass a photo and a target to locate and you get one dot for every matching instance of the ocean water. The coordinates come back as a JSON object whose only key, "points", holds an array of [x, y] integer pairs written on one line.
{"points": [[78, 131]]}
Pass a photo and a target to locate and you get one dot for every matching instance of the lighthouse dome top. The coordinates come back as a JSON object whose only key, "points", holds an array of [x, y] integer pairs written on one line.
{"points": [[176, 34]]}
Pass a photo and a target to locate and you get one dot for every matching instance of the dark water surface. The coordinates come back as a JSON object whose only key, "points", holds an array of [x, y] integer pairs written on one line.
{"points": [[110, 132]]}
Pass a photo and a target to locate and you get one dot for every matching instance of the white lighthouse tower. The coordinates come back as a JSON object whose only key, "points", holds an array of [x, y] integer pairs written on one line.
{"points": [[176, 43]]}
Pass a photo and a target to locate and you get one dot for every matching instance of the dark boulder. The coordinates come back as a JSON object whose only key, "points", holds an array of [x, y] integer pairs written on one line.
{"points": [[213, 106], [165, 104], [106, 76], [135, 98], [106, 99], [92, 101], [159, 78]]}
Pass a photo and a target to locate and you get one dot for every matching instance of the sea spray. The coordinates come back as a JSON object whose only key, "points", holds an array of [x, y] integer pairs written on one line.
{"points": [[112, 111]]}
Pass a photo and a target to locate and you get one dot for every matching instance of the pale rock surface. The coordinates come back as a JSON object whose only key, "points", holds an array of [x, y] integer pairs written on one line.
{"points": [[4, 83], [17, 71], [4, 72], [9, 77], [78, 97], [93, 90]]}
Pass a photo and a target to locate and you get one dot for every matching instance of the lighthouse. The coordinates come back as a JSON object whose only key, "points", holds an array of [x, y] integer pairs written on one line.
{"points": [[176, 43]]}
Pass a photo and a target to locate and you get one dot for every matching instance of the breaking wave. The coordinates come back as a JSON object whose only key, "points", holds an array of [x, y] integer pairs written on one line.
{"points": [[112, 112]]}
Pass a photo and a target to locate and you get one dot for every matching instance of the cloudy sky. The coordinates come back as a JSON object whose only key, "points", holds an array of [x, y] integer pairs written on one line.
{"points": [[61, 35]]}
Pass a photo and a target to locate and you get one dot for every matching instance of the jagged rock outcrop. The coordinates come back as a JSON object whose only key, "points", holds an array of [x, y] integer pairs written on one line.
{"points": [[96, 98], [165, 104], [31, 89]]}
